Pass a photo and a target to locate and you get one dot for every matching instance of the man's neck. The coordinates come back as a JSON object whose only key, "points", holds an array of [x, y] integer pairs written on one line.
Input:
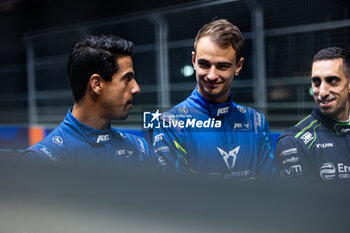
{"points": [[348, 120], [216, 99], [90, 116]]}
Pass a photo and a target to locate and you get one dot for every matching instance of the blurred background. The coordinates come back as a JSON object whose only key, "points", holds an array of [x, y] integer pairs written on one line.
{"points": [[281, 38]]}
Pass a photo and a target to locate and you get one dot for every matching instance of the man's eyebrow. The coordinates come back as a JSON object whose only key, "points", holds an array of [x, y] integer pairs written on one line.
{"points": [[202, 60], [130, 73], [224, 63], [328, 77], [219, 63], [333, 77]]}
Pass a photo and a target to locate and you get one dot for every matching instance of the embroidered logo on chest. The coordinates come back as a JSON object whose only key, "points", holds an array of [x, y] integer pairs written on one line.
{"points": [[230, 157], [307, 137], [103, 138]]}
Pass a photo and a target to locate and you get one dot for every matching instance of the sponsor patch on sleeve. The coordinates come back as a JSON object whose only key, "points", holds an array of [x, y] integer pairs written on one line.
{"points": [[289, 151]]}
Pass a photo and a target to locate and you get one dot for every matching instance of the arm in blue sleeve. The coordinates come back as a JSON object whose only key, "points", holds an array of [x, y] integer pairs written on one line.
{"points": [[171, 152], [267, 161], [39, 152]]}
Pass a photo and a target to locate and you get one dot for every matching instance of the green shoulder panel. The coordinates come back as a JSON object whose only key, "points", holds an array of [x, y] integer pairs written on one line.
{"points": [[307, 134]]}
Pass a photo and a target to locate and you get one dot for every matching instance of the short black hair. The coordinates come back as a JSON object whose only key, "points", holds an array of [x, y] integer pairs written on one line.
{"points": [[95, 55], [335, 53]]}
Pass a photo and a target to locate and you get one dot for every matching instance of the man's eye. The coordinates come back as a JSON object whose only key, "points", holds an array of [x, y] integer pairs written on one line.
{"points": [[316, 82], [128, 77], [222, 67], [332, 80], [204, 65]]}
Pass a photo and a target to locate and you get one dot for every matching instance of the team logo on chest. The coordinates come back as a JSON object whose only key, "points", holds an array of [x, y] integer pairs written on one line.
{"points": [[123, 153], [103, 138], [307, 137], [230, 157], [222, 111], [57, 140], [241, 109]]}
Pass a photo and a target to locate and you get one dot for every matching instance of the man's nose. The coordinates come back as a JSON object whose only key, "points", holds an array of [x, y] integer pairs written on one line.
{"points": [[324, 90], [135, 87], [212, 75]]}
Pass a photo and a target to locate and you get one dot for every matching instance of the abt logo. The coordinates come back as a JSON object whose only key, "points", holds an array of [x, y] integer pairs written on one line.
{"points": [[222, 111], [157, 138], [103, 138]]}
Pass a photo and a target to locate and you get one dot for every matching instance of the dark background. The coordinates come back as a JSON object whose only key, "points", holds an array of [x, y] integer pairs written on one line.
{"points": [[289, 49], [18, 17]]}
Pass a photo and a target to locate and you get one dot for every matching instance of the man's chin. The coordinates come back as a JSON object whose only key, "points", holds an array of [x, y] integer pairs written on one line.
{"points": [[324, 110], [212, 92], [120, 117], [124, 117], [330, 112]]}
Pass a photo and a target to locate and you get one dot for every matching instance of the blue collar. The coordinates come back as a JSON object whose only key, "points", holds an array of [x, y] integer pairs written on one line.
{"points": [[93, 136], [213, 109]]}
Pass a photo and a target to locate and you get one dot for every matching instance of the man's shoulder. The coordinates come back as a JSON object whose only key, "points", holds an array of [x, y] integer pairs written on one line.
{"points": [[182, 108], [242, 111], [306, 124], [247, 111], [179, 113], [242, 108], [249, 114], [303, 132], [49, 147], [60, 137], [127, 137], [131, 139]]}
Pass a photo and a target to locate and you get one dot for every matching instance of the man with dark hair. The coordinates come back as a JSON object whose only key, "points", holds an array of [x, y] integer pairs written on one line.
{"points": [[208, 134], [101, 77], [318, 147]]}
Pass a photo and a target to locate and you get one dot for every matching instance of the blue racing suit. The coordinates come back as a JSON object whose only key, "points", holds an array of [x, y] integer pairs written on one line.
{"points": [[317, 148], [225, 140], [75, 142]]}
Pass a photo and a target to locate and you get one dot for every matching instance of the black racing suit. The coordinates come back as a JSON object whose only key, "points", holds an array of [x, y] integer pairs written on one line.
{"points": [[318, 147]]}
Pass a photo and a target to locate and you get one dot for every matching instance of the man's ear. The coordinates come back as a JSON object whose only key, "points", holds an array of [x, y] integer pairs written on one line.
{"points": [[239, 66], [194, 59], [95, 84]]}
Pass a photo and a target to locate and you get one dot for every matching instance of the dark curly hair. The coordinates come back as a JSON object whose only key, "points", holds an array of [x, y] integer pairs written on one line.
{"points": [[95, 55]]}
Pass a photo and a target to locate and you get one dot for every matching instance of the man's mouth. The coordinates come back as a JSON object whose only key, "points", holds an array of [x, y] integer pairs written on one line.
{"points": [[326, 103], [129, 103], [210, 84]]}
